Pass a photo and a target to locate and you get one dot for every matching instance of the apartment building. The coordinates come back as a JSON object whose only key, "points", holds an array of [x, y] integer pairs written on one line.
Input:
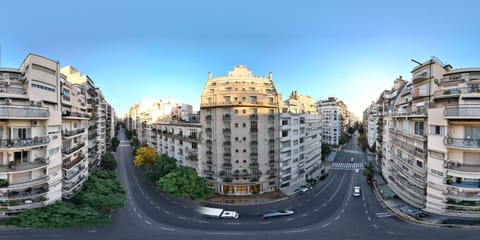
{"points": [[432, 155], [370, 124], [74, 76], [74, 137], [300, 140], [30, 135], [240, 124], [179, 140], [335, 120]]}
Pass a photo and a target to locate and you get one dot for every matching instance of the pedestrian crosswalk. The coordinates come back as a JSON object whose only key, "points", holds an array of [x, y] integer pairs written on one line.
{"points": [[346, 166]]}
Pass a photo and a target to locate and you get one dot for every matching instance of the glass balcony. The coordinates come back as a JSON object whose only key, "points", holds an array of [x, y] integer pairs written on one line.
{"points": [[23, 112], [23, 143], [462, 111]]}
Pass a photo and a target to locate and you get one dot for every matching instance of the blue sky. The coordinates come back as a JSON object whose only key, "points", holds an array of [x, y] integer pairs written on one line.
{"points": [[352, 50]]}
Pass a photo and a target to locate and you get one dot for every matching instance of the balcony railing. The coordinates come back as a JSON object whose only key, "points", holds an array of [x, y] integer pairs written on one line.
{"points": [[73, 149], [22, 143], [253, 130], [227, 130], [227, 117], [12, 111], [462, 142], [70, 133], [419, 111], [469, 111], [16, 166], [73, 162], [461, 167], [254, 117], [25, 193]]}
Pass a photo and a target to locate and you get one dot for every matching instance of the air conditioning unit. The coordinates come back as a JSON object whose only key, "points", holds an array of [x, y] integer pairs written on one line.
{"points": [[34, 123], [8, 101]]}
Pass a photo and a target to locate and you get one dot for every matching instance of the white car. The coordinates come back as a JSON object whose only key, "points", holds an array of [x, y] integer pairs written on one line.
{"points": [[356, 191]]}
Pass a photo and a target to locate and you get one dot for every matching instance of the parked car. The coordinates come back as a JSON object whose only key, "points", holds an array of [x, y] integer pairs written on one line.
{"points": [[278, 213], [356, 191], [304, 189], [323, 176]]}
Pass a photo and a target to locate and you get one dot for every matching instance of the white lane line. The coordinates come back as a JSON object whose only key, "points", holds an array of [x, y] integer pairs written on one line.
{"points": [[233, 223], [184, 206], [290, 219], [366, 211], [343, 210], [316, 209], [326, 224], [176, 203], [296, 231], [304, 215], [138, 214], [157, 207], [203, 221], [134, 209], [308, 200], [225, 233], [369, 219], [166, 212], [364, 205], [147, 222], [336, 218], [375, 226], [151, 202], [265, 222], [168, 229], [299, 204], [181, 217]]}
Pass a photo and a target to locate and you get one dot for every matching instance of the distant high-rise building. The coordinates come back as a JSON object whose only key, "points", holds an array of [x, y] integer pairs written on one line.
{"points": [[335, 120]]}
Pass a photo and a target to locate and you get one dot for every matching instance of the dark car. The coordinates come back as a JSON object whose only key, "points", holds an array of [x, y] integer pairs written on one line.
{"points": [[278, 213], [323, 176]]}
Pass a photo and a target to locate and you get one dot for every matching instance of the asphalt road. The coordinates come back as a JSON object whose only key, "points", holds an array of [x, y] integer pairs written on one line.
{"points": [[328, 211]]}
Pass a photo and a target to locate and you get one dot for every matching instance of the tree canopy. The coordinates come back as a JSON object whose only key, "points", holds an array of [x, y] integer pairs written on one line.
{"points": [[108, 162], [185, 183], [102, 192], [146, 156], [161, 167]]}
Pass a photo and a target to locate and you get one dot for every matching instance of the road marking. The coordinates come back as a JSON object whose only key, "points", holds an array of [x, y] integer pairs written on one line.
{"points": [[233, 223], [364, 205], [157, 207], [316, 209], [290, 219], [343, 210], [324, 204], [184, 206], [383, 214], [147, 222], [300, 204], [337, 217], [326, 224], [166, 212], [265, 222], [174, 202], [366, 211], [168, 229], [369, 219], [308, 200], [393, 233], [225, 233], [151, 202], [134, 209], [304, 215], [181, 217], [138, 214], [375, 226], [203, 221], [296, 231], [92, 231]]}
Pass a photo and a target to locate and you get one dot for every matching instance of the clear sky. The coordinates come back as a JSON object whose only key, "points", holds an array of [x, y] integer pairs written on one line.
{"points": [[352, 50]]}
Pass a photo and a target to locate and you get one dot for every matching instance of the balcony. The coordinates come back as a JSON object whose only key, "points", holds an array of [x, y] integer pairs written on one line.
{"points": [[73, 174], [253, 117], [25, 193], [226, 130], [74, 115], [463, 194], [271, 129], [253, 130], [461, 167], [209, 142], [23, 112], [18, 166], [73, 162], [462, 111], [24, 143], [227, 154], [208, 129], [71, 133], [208, 117], [68, 151], [253, 142], [227, 143], [463, 143], [227, 165], [254, 165], [416, 112], [253, 154], [461, 183], [271, 117]]}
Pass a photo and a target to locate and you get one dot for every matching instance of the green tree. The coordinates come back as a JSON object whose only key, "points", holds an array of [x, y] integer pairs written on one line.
{"points": [[102, 192], [61, 215], [145, 156], [325, 151], [343, 139], [162, 166], [115, 143], [368, 171], [185, 183], [108, 162]]}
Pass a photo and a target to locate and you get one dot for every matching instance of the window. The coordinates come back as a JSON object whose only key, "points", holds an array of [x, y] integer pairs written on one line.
{"points": [[244, 125], [43, 86], [254, 111], [472, 132], [437, 130], [236, 125], [226, 99], [284, 133], [253, 99], [419, 128], [270, 100], [284, 122]]}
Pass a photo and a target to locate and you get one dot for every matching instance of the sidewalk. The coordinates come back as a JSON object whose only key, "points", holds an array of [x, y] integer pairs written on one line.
{"points": [[405, 212], [247, 199]]}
